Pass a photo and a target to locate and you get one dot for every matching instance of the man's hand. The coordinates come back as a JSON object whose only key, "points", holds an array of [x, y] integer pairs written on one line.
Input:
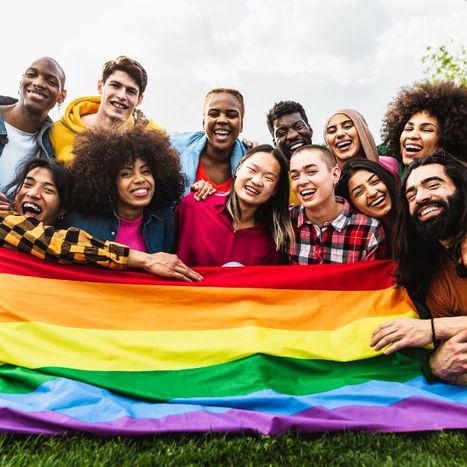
{"points": [[5, 203], [162, 264], [449, 362], [401, 333], [202, 190]]}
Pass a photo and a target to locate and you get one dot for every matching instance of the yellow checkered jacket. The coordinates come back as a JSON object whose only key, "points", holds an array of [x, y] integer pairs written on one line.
{"points": [[70, 245]]}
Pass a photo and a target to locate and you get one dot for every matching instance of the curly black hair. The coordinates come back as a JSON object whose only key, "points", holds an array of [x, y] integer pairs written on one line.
{"points": [[444, 100], [101, 153], [284, 108]]}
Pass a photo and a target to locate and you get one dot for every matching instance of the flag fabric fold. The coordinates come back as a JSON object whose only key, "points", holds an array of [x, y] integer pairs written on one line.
{"points": [[258, 349]]}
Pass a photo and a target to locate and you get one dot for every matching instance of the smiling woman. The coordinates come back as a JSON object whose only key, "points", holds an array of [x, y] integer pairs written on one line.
{"points": [[348, 137], [426, 117], [250, 225], [124, 187], [213, 155]]}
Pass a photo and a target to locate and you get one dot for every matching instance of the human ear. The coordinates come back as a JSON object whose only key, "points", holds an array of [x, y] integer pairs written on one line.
{"points": [[62, 97], [100, 85]]}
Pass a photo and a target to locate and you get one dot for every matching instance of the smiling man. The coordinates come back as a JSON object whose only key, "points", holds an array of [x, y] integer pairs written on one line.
{"points": [[24, 123], [430, 233], [289, 127], [327, 229], [121, 90]]}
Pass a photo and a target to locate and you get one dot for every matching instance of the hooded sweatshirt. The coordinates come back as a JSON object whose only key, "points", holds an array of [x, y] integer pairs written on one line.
{"points": [[64, 131]]}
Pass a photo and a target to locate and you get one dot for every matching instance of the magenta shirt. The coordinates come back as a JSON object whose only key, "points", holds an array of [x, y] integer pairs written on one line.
{"points": [[130, 233], [205, 236]]}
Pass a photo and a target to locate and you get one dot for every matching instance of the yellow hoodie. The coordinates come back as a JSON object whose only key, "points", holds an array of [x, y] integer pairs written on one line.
{"points": [[63, 132]]}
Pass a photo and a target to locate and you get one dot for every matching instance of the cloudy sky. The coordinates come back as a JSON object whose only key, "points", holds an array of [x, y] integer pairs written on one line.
{"points": [[325, 54]]}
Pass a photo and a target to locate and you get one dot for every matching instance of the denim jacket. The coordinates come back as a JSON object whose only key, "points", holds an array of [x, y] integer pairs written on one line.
{"points": [[191, 145], [158, 229], [43, 137]]}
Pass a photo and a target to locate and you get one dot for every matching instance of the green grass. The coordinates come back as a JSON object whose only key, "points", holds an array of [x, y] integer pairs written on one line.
{"points": [[346, 449]]}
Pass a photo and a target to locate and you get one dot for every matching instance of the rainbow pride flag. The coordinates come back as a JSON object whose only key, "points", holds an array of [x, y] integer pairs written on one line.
{"points": [[258, 349]]}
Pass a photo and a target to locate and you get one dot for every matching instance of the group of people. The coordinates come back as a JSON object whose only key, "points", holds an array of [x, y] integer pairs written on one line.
{"points": [[107, 186]]}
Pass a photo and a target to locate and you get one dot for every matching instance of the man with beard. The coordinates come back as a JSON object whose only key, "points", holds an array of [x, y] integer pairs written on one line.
{"points": [[430, 232]]}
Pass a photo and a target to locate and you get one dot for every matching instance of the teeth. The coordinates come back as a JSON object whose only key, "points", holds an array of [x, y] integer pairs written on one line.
{"points": [[140, 192], [37, 94], [251, 190], [307, 192], [295, 146], [119, 105], [427, 210], [222, 132], [32, 207], [343, 144], [377, 201], [413, 147]]}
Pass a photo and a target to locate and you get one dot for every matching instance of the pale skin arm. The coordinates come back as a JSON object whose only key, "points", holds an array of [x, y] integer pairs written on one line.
{"points": [[162, 264], [404, 332], [449, 362], [202, 190]]}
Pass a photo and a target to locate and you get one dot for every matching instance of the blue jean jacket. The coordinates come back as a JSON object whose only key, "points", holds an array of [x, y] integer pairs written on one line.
{"points": [[43, 137], [190, 145], [158, 227]]}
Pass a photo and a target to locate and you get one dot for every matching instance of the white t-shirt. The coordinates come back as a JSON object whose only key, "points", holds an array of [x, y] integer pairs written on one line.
{"points": [[20, 146]]}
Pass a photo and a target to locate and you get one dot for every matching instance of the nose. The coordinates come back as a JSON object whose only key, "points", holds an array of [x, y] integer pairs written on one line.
{"points": [[340, 132], [421, 195], [38, 82], [371, 191], [256, 179], [34, 192], [292, 133]]}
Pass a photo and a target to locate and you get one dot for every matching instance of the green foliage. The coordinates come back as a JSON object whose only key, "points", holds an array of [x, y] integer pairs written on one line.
{"points": [[443, 63], [336, 449]]}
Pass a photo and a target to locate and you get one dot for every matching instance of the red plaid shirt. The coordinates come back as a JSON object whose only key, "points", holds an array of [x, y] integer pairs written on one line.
{"points": [[349, 238]]}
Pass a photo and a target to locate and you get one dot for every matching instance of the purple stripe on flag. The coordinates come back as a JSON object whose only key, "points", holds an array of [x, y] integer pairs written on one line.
{"points": [[412, 414]]}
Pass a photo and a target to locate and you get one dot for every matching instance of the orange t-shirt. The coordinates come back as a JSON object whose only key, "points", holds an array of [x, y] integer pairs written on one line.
{"points": [[202, 175], [448, 294]]}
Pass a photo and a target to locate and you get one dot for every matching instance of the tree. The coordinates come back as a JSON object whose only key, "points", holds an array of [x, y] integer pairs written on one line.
{"points": [[444, 64]]}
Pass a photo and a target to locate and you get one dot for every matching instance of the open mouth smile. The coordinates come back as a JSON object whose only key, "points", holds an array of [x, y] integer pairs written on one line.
{"points": [[31, 209]]}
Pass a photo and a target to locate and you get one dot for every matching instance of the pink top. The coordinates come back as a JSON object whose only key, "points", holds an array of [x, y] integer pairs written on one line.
{"points": [[391, 165], [205, 236], [130, 233]]}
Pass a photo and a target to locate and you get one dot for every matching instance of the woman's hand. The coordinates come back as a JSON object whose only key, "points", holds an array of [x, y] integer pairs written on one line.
{"points": [[163, 264], [202, 190]]}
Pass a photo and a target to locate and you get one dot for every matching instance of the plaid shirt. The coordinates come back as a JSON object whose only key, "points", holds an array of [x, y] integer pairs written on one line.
{"points": [[349, 238], [60, 246]]}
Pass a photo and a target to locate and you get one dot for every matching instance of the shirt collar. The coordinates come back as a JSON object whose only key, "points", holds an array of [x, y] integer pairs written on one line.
{"points": [[339, 223]]}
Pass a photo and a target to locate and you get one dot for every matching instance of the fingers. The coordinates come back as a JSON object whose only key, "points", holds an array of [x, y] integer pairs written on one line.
{"points": [[5, 203], [203, 189]]}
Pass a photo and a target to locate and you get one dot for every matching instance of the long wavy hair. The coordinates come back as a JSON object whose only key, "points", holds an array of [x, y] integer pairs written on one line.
{"points": [[273, 215], [420, 260]]}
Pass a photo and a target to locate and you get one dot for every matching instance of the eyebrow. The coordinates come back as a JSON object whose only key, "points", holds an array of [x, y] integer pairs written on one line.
{"points": [[305, 167], [32, 179], [259, 168], [425, 182], [115, 81]]}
